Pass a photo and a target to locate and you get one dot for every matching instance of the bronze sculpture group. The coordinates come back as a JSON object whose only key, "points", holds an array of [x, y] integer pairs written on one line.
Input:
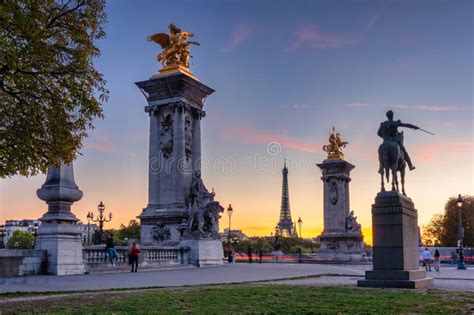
{"points": [[175, 47]]}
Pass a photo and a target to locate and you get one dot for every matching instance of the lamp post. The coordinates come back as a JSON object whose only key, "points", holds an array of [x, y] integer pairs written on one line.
{"points": [[229, 213], [90, 216], [300, 223], [101, 219], [459, 203]]}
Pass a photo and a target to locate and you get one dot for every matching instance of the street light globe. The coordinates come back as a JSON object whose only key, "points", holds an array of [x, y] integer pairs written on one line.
{"points": [[230, 210], [460, 201], [101, 207]]}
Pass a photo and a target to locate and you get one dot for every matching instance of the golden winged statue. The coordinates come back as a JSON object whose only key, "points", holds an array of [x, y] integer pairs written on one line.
{"points": [[334, 148], [175, 53]]}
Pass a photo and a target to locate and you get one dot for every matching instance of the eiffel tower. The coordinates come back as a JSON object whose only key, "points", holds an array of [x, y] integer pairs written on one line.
{"points": [[285, 226]]}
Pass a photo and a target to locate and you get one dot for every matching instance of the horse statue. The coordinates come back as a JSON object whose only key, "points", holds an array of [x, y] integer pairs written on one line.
{"points": [[393, 156], [392, 159]]}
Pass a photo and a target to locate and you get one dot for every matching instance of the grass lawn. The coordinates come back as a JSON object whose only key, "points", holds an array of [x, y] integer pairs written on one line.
{"points": [[247, 299]]}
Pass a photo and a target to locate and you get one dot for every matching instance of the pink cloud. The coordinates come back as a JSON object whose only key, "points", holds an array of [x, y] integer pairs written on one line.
{"points": [[309, 35], [240, 33], [252, 136], [100, 142], [432, 108], [435, 152]]}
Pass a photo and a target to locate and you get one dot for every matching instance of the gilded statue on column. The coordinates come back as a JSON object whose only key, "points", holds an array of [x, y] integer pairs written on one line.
{"points": [[335, 146], [176, 53]]}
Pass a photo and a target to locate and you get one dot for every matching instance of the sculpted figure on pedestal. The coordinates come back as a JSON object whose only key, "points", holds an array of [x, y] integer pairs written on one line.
{"points": [[203, 220], [351, 223], [334, 148], [175, 47]]}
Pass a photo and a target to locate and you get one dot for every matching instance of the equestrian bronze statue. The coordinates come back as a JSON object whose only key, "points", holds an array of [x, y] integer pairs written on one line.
{"points": [[393, 156]]}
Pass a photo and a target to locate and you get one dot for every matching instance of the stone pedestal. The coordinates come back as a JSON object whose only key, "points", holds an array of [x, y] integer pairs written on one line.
{"points": [[341, 239], [175, 107], [395, 244], [204, 252], [58, 234]]}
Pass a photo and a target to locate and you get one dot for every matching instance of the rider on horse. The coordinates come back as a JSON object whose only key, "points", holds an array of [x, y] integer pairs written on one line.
{"points": [[388, 131]]}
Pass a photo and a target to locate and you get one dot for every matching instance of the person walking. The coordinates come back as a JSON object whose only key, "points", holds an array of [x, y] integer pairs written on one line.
{"points": [[134, 255], [110, 248], [436, 260], [427, 259], [260, 255], [249, 253]]}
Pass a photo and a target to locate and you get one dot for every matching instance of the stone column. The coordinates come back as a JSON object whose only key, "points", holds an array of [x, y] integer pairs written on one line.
{"points": [[395, 244], [177, 95], [58, 234], [154, 158], [196, 156], [179, 156], [338, 242]]}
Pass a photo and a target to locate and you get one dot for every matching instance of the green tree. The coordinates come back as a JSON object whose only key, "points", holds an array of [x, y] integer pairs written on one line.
{"points": [[21, 240], [131, 231], [50, 91], [433, 231], [443, 229]]}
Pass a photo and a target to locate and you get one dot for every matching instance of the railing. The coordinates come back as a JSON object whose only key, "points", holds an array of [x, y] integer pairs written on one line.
{"points": [[96, 256]]}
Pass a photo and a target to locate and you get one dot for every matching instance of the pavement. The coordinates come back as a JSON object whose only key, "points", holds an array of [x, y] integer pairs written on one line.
{"points": [[448, 278]]}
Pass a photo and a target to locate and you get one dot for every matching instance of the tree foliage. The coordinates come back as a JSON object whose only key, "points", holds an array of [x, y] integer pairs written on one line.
{"points": [[443, 229], [289, 245], [50, 91], [21, 240], [130, 231]]}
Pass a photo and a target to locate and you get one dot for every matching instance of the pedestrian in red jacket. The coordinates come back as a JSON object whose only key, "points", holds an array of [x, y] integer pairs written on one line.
{"points": [[134, 254]]}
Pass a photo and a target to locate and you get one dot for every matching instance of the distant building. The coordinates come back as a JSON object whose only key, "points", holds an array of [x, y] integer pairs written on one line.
{"points": [[25, 225], [238, 234], [285, 226], [2, 235]]}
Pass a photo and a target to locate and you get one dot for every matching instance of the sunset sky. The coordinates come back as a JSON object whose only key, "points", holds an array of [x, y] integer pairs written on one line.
{"points": [[285, 73]]}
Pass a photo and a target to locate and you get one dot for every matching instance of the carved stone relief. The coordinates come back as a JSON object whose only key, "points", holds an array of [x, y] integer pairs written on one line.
{"points": [[166, 143]]}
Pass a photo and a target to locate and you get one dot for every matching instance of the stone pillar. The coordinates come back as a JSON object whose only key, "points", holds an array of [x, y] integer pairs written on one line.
{"points": [[196, 158], [395, 244], [154, 159], [174, 98], [178, 169], [339, 242], [58, 234]]}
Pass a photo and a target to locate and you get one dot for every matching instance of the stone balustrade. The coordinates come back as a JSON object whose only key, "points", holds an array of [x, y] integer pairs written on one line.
{"points": [[96, 257]]}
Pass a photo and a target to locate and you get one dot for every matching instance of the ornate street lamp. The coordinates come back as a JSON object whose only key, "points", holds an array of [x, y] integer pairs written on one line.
{"points": [[101, 219], [459, 203], [90, 216], [229, 213], [300, 223]]}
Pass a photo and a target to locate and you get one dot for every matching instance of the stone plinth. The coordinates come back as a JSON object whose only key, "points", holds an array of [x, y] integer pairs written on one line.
{"points": [[21, 262], [175, 107], [395, 244], [58, 234], [204, 252], [341, 239]]}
